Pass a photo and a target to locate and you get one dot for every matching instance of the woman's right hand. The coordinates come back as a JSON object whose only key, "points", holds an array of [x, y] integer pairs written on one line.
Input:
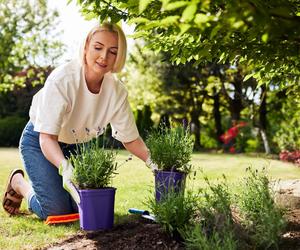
{"points": [[66, 171]]}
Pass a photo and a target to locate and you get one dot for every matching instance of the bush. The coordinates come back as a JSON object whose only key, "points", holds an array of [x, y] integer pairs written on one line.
{"points": [[215, 229], [262, 218], [11, 128], [253, 145], [196, 239], [288, 136], [293, 156], [175, 212]]}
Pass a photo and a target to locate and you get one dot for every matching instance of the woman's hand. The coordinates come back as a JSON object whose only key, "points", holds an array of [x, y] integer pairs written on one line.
{"points": [[151, 164], [66, 171]]}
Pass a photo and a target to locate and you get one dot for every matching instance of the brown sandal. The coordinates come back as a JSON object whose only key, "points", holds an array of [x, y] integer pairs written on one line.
{"points": [[7, 201]]}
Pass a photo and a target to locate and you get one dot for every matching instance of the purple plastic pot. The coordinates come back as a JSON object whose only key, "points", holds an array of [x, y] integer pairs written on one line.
{"points": [[96, 208], [167, 181]]}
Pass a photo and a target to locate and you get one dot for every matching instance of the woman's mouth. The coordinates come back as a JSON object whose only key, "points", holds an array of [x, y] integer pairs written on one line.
{"points": [[102, 65]]}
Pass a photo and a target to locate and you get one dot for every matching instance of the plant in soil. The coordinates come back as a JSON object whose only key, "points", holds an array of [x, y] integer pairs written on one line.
{"points": [[171, 148], [262, 218], [94, 165], [175, 211], [214, 227]]}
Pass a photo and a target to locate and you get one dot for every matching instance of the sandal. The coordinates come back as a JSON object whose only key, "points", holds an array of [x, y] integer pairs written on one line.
{"points": [[10, 192]]}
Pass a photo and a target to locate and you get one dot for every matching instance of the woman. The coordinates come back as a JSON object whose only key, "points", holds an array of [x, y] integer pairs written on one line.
{"points": [[78, 96]]}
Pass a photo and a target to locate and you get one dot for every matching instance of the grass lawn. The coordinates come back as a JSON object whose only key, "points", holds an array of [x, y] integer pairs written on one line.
{"points": [[134, 184]]}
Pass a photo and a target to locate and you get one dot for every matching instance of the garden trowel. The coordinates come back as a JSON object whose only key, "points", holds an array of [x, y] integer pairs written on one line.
{"points": [[144, 213]]}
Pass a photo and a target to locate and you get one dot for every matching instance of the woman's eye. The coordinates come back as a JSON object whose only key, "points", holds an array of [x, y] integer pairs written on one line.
{"points": [[113, 52], [98, 48]]}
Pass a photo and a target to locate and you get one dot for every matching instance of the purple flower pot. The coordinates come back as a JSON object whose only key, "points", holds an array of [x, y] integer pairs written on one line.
{"points": [[96, 208], [168, 181]]}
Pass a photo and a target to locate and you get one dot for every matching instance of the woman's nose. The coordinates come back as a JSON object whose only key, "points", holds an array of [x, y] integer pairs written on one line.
{"points": [[104, 54]]}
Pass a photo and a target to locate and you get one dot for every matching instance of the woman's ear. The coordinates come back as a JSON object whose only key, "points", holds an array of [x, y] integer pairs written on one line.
{"points": [[84, 55], [86, 45]]}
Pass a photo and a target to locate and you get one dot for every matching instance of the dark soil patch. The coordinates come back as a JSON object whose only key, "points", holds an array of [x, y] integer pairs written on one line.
{"points": [[291, 238], [143, 234], [137, 234]]}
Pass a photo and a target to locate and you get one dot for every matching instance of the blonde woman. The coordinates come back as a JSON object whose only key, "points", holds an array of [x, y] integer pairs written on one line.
{"points": [[79, 95]]}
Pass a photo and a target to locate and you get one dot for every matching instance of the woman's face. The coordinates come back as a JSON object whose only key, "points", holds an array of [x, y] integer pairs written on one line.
{"points": [[101, 52]]}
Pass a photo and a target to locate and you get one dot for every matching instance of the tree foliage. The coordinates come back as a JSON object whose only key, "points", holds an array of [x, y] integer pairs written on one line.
{"points": [[264, 35], [27, 29]]}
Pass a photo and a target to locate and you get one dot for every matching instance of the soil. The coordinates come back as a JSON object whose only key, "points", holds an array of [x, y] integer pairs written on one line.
{"points": [[141, 233]]}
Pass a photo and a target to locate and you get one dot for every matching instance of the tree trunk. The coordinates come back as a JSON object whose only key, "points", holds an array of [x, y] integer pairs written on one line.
{"points": [[236, 104], [195, 128], [265, 141], [263, 108], [263, 119], [217, 115], [164, 121]]}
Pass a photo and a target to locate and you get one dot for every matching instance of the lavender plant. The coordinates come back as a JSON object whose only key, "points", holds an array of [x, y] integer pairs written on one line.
{"points": [[262, 217], [175, 212], [171, 148], [94, 165]]}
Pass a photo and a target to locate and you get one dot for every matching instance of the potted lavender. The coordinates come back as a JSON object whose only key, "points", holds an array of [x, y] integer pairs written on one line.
{"points": [[94, 168], [171, 150]]}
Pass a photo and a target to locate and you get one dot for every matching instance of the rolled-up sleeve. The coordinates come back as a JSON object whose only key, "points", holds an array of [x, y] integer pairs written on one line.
{"points": [[51, 106], [123, 124]]}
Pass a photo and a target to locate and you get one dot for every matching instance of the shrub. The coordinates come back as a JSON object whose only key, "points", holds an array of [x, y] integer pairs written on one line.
{"points": [[288, 136], [290, 156], [94, 166], [11, 128], [262, 218], [175, 211], [253, 145], [171, 148], [196, 239], [214, 230]]}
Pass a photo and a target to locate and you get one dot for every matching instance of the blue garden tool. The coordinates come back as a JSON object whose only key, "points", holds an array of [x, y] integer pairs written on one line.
{"points": [[144, 213]]}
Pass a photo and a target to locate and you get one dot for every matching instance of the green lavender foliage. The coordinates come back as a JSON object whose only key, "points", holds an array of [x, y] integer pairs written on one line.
{"points": [[262, 217], [214, 227], [94, 166], [171, 148], [175, 211], [196, 239]]}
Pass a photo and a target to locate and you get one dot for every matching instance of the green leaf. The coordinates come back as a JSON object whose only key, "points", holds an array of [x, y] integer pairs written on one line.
{"points": [[222, 57], [164, 3], [214, 31], [247, 77], [265, 37], [169, 20], [184, 27], [201, 18], [189, 12], [143, 5], [175, 5]]}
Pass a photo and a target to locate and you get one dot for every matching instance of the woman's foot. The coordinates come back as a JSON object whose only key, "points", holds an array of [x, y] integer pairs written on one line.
{"points": [[13, 197]]}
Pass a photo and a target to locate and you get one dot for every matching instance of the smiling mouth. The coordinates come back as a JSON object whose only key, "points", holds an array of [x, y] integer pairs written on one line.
{"points": [[102, 65]]}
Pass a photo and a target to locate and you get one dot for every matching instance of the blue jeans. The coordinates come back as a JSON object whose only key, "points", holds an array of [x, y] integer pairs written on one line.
{"points": [[48, 196]]}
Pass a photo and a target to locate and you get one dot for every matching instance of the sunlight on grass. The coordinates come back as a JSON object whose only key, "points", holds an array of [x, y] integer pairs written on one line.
{"points": [[134, 184]]}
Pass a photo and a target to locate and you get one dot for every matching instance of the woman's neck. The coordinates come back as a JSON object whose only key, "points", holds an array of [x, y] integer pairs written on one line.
{"points": [[93, 81]]}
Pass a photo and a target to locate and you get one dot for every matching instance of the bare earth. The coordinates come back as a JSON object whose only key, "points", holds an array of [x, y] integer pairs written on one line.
{"points": [[143, 234]]}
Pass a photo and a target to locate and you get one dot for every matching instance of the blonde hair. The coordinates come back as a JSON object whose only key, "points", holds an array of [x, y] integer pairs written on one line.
{"points": [[122, 44]]}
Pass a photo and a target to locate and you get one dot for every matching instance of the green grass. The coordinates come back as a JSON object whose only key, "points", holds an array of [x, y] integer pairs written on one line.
{"points": [[134, 184]]}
